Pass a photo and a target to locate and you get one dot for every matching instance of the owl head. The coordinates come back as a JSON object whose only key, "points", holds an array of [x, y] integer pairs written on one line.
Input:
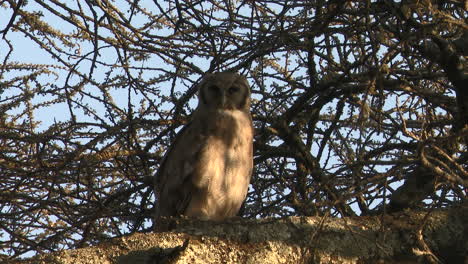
{"points": [[224, 90]]}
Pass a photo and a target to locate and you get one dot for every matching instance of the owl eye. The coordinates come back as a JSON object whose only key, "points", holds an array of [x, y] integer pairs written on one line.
{"points": [[233, 89], [213, 88]]}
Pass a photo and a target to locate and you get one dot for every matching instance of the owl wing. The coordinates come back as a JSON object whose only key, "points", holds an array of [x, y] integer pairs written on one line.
{"points": [[173, 184]]}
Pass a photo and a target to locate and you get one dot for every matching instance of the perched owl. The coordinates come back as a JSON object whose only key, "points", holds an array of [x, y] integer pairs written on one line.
{"points": [[206, 172]]}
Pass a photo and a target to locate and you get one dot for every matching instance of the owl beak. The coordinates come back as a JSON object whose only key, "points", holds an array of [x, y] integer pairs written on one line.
{"points": [[223, 100]]}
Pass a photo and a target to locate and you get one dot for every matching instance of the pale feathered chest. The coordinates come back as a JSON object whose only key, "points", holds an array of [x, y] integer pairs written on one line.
{"points": [[226, 153], [232, 127], [224, 165]]}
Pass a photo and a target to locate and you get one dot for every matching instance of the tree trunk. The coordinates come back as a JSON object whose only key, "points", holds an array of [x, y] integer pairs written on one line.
{"points": [[407, 237]]}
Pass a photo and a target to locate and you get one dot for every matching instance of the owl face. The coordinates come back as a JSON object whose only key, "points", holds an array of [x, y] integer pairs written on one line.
{"points": [[224, 90]]}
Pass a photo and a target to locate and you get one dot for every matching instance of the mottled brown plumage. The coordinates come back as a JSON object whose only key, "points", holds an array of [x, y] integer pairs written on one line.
{"points": [[206, 172]]}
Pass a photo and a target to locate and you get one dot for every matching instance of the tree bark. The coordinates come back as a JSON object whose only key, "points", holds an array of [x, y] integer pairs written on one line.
{"points": [[437, 236]]}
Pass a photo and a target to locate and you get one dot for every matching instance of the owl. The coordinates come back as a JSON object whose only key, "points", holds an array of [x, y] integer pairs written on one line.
{"points": [[206, 172]]}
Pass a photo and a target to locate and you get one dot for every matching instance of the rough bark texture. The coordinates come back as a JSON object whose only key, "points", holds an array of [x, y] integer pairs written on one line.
{"points": [[409, 237]]}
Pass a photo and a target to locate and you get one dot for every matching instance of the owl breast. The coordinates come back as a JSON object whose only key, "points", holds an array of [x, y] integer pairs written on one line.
{"points": [[225, 166]]}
